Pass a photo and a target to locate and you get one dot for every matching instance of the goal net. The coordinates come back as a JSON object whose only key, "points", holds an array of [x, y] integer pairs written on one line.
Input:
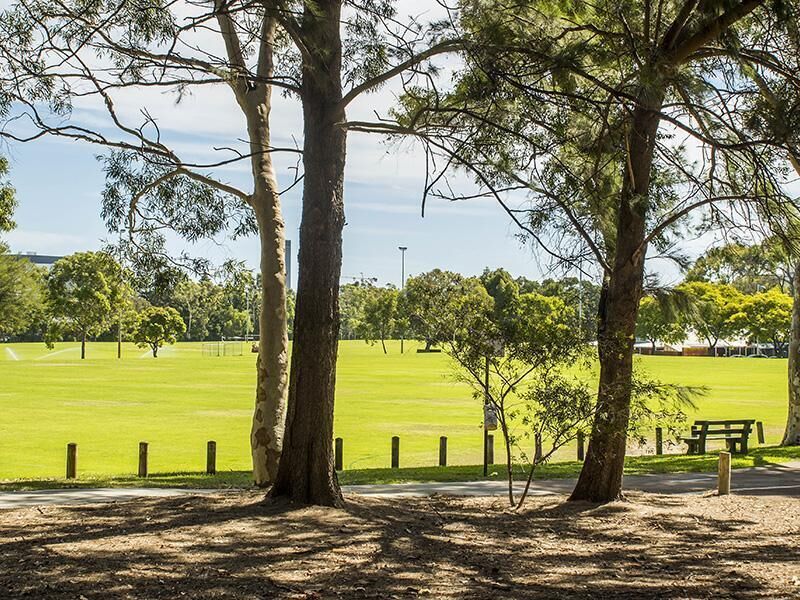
{"points": [[222, 348]]}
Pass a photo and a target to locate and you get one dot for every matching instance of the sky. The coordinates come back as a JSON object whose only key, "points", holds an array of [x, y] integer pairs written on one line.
{"points": [[59, 184]]}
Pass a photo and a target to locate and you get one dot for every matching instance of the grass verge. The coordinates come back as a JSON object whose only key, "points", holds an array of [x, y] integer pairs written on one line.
{"points": [[634, 465]]}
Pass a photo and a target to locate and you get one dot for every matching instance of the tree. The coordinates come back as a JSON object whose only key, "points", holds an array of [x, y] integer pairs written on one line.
{"points": [[748, 268], [712, 306], [85, 292], [766, 316], [21, 293], [158, 325], [582, 105], [21, 282], [424, 296], [656, 323], [514, 351], [380, 314], [8, 201], [53, 54]]}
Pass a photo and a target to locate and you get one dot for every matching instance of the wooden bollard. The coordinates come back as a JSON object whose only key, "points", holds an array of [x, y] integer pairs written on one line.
{"points": [[724, 479], [490, 449], [659, 441], [211, 457], [443, 451], [72, 461], [537, 448], [581, 443], [338, 447], [142, 459], [395, 452], [760, 430]]}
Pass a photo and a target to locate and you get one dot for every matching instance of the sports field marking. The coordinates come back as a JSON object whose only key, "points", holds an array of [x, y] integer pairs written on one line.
{"points": [[12, 354]]}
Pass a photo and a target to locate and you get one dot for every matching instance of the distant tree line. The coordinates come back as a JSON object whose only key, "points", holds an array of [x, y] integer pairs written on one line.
{"points": [[377, 313], [92, 296], [732, 291]]}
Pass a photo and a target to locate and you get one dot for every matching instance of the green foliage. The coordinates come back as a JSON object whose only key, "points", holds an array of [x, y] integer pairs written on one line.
{"points": [[748, 268], [158, 325], [657, 323], [713, 305], [765, 316], [22, 293], [210, 309], [380, 314], [8, 200], [85, 292], [425, 298]]}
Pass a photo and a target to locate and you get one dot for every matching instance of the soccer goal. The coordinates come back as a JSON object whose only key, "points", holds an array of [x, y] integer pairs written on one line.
{"points": [[222, 348]]}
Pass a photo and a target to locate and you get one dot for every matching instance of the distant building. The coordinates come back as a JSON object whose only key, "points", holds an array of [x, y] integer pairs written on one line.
{"points": [[45, 260]]}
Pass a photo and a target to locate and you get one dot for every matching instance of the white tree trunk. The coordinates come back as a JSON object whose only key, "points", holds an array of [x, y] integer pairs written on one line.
{"points": [[792, 435], [272, 365]]}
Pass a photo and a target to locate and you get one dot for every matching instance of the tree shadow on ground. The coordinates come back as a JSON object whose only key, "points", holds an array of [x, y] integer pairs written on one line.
{"points": [[237, 546]]}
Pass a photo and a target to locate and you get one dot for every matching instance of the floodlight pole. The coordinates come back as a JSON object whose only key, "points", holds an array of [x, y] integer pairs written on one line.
{"points": [[402, 287]]}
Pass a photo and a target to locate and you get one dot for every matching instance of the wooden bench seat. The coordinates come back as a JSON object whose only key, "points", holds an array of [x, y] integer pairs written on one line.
{"points": [[735, 433]]}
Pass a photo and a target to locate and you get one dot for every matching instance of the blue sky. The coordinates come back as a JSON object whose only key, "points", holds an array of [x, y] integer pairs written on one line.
{"points": [[59, 183]]}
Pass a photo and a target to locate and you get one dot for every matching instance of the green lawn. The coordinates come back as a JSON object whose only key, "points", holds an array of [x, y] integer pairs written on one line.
{"points": [[182, 399]]}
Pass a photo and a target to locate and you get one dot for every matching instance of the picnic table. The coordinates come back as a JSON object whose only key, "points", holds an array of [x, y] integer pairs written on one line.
{"points": [[735, 432]]}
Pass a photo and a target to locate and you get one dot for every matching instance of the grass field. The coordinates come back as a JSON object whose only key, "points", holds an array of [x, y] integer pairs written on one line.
{"points": [[182, 399]]}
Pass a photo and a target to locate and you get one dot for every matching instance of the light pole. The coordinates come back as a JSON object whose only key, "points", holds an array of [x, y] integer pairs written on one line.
{"points": [[402, 287]]}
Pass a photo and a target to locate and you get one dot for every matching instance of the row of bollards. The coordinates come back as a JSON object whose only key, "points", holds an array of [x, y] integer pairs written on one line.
{"points": [[72, 459], [338, 450]]}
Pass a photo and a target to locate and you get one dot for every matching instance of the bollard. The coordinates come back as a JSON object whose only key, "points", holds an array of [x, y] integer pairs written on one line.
{"points": [[211, 457], [490, 449], [760, 430], [581, 442], [395, 452], [443, 451], [337, 453], [142, 459], [724, 479], [659, 441], [537, 451], [72, 461]]}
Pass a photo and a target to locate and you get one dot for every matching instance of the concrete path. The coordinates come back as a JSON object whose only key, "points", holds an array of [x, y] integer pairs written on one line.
{"points": [[774, 480]]}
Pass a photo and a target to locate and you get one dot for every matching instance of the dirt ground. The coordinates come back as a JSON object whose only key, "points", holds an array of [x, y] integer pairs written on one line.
{"points": [[232, 545]]}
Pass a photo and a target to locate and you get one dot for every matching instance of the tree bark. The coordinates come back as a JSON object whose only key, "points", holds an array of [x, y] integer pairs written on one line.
{"points": [[306, 472], [83, 345], [601, 476], [791, 436]]}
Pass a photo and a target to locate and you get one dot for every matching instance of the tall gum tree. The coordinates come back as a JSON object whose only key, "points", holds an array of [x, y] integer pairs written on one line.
{"points": [[54, 56], [68, 52], [593, 111]]}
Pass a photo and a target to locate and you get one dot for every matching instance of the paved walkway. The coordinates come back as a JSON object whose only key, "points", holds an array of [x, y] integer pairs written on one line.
{"points": [[774, 480]]}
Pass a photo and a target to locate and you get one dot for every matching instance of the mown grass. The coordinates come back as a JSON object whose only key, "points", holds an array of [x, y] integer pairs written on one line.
{"points": [[634, 465], [182, 399]]}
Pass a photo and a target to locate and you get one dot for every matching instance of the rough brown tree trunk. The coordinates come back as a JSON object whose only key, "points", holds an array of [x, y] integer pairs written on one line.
{"points": [[791, 436], [601, 476], [155, 350], [83, 345], [306, 473]]}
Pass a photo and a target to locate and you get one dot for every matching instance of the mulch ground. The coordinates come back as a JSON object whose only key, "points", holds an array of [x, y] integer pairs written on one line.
{"points": [[232, 545]]}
